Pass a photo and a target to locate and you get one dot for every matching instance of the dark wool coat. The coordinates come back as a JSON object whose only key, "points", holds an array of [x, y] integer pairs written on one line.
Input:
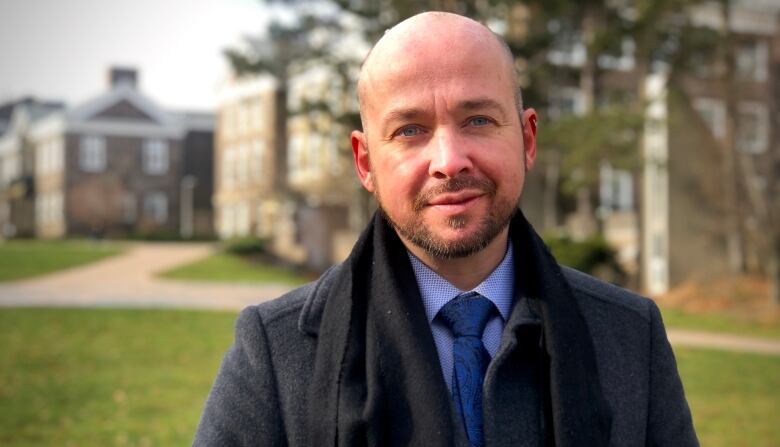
{"points": [[601, 372]]}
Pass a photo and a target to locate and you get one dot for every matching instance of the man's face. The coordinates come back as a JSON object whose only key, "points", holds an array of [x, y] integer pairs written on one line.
{"points": [[443, 148]]}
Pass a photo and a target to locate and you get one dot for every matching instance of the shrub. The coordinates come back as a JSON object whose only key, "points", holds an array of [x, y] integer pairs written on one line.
{"points": [[163, 236], [592, 255], [245, 246]]}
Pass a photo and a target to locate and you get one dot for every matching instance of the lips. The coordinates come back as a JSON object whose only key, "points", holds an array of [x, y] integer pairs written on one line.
{"points": [[454, 195], [460, 198], [453, 204]]}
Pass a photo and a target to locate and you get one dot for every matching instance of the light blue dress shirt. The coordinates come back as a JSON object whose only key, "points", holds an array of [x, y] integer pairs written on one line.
{"points": [[437, 291]]}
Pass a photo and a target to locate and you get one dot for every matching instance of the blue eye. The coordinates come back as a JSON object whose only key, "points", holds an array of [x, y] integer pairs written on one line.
{"points": [[409, 131], [479, 121]]}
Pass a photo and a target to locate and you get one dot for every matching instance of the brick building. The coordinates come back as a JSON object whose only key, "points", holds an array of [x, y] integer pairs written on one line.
{"points": [[119, 165]]}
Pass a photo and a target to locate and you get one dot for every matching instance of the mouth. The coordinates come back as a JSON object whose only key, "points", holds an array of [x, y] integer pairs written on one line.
{"points": [[454, 203]]}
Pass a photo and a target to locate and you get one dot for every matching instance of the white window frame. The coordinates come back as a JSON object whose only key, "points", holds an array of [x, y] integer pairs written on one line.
{"points": [[258, 150], [229, 120], [50, 156], [315, 150], [295, 157], [616, 189], [229, 167], [713, 112], [257, 113], [756, 144], [49, 207], [156, 207], [92, 153], [156, 157], [242, 222], [227, 221], [244, 116], [242, 164], [752, 61]]}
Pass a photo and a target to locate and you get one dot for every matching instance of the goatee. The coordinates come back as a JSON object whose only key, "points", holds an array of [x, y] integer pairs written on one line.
{"points": [[491, 224]]}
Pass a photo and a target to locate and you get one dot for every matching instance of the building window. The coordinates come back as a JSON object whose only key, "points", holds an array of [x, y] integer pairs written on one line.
{"points": [[10, 170], [92, 154], [295, 157], [49, 208], [50, 155], [568, 48], [229, 121], [752, 61], [257, 114], [566, 101], [616, 189], [155, 157], [129, 208], [620, 62], [156, 207], [227, 222], [243, 110], [713, 113], [242, 219], [753, 128], [229, 167], [314, 151], [258, 149], [242, 165]]}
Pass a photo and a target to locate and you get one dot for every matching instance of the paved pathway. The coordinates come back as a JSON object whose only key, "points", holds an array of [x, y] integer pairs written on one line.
{"points": [[727, 342], [129, 280]]}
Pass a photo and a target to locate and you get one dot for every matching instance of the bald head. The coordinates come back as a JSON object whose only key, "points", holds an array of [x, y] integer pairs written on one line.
{"points": [[432, 37]]}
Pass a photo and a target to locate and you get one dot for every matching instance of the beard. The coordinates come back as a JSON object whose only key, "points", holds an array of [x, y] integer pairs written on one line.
{"points": [[490, 225]]}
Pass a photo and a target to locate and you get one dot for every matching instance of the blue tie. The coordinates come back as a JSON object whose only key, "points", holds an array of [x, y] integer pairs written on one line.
{"points": [[466, 316]]}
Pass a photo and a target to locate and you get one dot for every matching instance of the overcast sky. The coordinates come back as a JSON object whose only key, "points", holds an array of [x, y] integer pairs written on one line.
{"points": [[62, 49]]}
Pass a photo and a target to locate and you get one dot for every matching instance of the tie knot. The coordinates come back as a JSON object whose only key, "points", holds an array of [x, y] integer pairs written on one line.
{"points": [[467, 314]]}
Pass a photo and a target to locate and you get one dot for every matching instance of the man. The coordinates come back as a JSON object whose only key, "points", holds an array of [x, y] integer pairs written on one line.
{"points": [[450, 323]]}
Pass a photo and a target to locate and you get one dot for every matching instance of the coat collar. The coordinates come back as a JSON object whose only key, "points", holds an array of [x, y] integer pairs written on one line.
{"points": [[580, 413]]}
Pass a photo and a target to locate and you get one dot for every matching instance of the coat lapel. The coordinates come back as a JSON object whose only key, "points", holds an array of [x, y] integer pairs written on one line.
{"points": [[577, 411], [580, 414]]}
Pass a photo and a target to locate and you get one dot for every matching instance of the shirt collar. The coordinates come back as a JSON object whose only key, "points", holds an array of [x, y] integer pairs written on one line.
{"points": [[437, 291]]}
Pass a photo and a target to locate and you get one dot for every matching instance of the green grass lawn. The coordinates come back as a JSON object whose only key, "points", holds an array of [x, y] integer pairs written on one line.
{"points": [[232, 268], [675, 318], [25, 258], [140, 377], [734, 397], [106, 377]]}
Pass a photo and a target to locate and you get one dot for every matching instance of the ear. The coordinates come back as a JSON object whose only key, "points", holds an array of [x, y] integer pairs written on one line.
{"points": [[529, 137], [362, 163]]}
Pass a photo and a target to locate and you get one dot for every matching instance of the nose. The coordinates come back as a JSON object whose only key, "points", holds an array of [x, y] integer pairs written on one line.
{"points": [[449, 155]]}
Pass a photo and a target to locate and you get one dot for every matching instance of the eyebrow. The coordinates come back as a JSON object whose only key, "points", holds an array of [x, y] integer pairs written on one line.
{"points": [[403, 115], [469, 105]]}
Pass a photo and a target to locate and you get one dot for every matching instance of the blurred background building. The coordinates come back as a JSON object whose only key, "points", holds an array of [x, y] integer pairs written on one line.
{"points": [[659, 147], [115, 166]]}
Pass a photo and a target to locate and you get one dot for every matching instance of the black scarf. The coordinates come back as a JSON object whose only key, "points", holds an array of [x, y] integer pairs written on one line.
{"points": [[377, 379]]}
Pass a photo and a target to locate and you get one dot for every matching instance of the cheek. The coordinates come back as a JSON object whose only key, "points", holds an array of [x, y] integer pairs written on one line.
{"points": [[399, 178], [504, 165]]}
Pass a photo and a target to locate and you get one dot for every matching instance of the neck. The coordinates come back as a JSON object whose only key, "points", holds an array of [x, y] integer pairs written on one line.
{"points": [[469, 271]]}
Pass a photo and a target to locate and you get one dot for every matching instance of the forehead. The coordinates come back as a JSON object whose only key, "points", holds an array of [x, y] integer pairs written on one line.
{"points": [[453, 63]]}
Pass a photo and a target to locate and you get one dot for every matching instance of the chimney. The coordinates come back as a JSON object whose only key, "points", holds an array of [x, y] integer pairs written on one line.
{"points": [[122, 76]]}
